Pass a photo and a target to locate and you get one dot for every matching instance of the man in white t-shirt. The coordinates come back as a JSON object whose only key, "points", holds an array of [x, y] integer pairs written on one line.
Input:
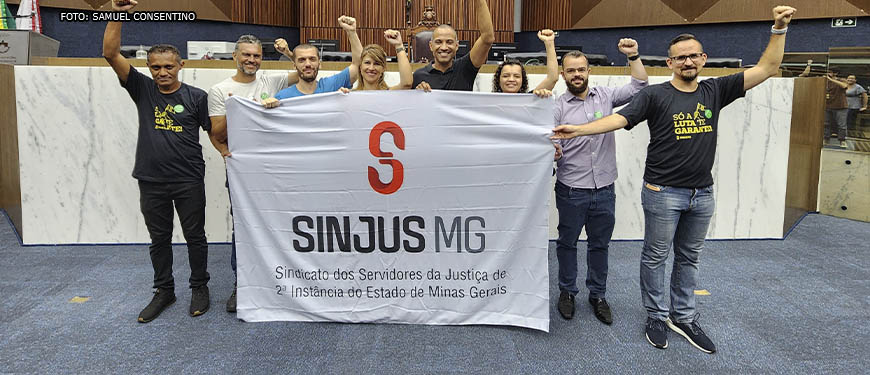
{"points": [[246, 83]]}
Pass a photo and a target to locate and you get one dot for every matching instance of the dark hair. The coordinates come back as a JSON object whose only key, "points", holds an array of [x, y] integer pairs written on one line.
{"points": [[496, 87], [164, 48], [305, 46], [248, 39], [681, 38], [574, 55]]}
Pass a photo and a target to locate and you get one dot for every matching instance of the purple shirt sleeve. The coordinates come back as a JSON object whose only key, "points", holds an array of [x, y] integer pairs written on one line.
{"points": [[623, 94]]}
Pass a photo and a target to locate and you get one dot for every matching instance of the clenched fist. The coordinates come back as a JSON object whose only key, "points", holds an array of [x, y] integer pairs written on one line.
{"points": [[347, 23], [393, 37], [281, 46], [123, 5], [628, 46], [782, 16], [547, 35]]}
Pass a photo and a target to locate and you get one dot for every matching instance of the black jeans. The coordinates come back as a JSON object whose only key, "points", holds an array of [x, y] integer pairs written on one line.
{"points": [[156, 202]]}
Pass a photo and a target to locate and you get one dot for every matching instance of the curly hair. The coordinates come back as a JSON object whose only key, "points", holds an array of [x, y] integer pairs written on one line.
{"points": [[496, 82]]}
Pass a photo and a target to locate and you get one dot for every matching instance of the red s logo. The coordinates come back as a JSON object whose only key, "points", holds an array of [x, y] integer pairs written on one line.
{"points": [[375, 148]]}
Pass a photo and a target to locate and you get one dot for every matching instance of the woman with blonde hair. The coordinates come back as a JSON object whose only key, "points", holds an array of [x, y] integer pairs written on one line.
{"points": [[374, 63]]}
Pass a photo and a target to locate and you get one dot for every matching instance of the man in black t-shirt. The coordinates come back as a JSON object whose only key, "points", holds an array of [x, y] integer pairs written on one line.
{"points": [[445, 73], [677, 196], [169, 164]]}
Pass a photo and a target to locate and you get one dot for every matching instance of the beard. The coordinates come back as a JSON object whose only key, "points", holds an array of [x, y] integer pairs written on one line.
{"points": [[309, 78], [577, 90], [248, 70], [688, 76]]}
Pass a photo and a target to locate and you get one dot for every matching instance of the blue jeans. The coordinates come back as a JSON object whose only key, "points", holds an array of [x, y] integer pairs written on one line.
{"points": [[678, 217], [593, 208]]}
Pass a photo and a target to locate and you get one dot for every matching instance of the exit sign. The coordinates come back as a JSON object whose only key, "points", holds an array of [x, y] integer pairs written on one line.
{"points": [[844, 22]]}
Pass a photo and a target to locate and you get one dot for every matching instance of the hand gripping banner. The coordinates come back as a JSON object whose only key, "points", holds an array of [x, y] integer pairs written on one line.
{"points": [[393, 207]]}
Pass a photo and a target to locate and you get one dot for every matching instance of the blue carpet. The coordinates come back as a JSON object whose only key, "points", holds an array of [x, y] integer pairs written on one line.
{"points": [[794, 306]]}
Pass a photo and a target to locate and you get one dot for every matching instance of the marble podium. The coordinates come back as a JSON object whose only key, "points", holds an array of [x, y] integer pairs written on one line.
{"points": [[76, 136]]}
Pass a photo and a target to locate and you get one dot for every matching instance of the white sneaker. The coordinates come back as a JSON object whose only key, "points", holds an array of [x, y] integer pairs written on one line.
{"points": [[843, 144]]}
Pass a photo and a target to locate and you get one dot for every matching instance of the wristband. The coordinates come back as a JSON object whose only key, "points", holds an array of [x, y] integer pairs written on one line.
{"points": [[400, 49], [775, 31], [635, 57]]}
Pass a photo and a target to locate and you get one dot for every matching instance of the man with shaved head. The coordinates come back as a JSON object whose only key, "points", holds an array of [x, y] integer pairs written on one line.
{"points": [[447, 72]]}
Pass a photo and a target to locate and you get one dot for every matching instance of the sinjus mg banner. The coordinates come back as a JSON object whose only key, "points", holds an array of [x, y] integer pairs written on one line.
{"points": [[397, 207]]}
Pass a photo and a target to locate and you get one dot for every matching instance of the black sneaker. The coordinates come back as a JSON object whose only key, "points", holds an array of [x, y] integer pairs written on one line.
{"points": [[693, 332], [231, 302], [199, 300], [566, 305], [162, 299], [657, 333], [602, 310]]}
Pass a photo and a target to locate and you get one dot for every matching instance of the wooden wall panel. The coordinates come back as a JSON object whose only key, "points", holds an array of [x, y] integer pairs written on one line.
{"points": [[805, 147], [546, 14], [583, 14], [266, 12], [10, 182], [318, 19]]}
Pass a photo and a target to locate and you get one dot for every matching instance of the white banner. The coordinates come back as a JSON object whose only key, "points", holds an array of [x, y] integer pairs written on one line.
{"points": [[394, 207]]}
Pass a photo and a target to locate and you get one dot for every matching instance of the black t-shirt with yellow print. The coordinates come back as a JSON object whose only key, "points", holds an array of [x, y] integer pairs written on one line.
{"points": [[168, 148], [683, 128]]}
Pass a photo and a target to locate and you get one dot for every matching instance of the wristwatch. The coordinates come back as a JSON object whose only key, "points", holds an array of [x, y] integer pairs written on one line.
{"points": [[635, 57]]}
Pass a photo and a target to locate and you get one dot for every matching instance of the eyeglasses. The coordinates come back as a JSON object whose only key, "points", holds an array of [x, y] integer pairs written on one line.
{"points": [[682, 58]]}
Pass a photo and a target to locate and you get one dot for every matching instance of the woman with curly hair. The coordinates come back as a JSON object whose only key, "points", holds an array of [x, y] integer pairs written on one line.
{"points": [[510, 76]]}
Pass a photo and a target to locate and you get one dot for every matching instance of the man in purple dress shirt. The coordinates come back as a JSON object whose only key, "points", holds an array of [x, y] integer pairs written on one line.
{"points": [[585, 176]]}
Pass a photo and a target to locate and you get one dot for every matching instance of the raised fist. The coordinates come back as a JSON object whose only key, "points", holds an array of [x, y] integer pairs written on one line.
{"points": [[393, 37], [546, 35], [123, 5], [628, 46], [782, 16], [281, 46], [347, 23]]}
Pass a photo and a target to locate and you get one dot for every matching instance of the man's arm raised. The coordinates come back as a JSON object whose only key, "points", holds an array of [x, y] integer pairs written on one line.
{"points": [[631, 50], [112, 41], [768, 65], [480, 50], [604, 125], [349, 26], [282, 47], [830, 77]]}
